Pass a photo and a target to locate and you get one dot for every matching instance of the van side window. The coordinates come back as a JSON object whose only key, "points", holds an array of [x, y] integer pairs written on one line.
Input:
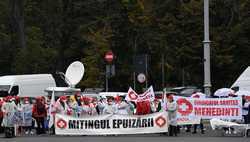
{"points": [[14, 91]]}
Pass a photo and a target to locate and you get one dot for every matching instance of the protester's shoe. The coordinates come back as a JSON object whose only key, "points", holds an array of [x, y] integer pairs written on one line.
{"points": [[31, 132], [227, 132], [188, 130], [194, 132], [26, 132], [202, 132]]}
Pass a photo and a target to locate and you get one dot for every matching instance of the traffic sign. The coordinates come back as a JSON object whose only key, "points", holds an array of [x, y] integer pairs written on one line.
{"points": [[109, 56], [141, 78]]}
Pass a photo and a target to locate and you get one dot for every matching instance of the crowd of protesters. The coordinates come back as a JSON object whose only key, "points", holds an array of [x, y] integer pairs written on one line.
{"points": [[34, 113], [28, 113]]}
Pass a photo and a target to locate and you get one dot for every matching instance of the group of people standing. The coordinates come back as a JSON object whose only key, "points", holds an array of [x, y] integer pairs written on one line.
{"points": [[25, 113], [22, 114]]}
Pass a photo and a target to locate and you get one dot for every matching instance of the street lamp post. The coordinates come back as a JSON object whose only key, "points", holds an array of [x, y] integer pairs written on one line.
{"points": [[206, 46]]}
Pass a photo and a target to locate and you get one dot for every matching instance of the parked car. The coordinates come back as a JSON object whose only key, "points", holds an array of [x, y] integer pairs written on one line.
{"points": [[185, 91]]}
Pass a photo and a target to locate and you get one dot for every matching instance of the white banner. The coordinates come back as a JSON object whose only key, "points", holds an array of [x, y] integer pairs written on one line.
{"points": [[146, 96], [191, 110], [111, 124]]}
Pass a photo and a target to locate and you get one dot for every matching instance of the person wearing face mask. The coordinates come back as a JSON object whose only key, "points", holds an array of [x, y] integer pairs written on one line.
{"points": [[77, 104], [61, 105], [122, 106], [143, 107], [72, 103], [86, 107], [110, 108], [172, 115], [101, 104], [27, 115], [93, 106], [8, 108], [39, 112]]}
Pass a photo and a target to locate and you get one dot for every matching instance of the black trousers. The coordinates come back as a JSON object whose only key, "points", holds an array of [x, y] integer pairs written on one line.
{"points": [[245, 117], [1, 128], [172, 130], [201, 127], [40, 125]]}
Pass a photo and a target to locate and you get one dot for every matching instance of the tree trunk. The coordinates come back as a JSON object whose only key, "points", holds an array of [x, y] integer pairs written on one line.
{"points": [[17, 20]]}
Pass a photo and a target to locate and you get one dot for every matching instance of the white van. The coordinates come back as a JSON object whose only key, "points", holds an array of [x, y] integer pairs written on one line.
{"points": [[26, 85]]}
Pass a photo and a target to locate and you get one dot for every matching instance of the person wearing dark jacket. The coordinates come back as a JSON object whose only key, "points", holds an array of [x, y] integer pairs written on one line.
{"points": [[39, 112]]}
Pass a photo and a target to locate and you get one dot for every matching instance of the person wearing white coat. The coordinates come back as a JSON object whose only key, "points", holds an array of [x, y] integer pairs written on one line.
{"points": [[110, 108], [122, 106], [172, 116]]}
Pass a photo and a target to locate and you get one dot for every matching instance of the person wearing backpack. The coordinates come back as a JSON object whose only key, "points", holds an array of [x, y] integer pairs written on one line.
{"points": [[39, 112]]}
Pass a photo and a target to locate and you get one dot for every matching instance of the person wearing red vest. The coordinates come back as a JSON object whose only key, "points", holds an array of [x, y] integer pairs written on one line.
{"points": [[39, 112], [143, 108]]}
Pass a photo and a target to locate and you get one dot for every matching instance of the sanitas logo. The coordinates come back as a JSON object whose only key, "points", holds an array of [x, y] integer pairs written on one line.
{"points": [[62, 124], [184, 106]]}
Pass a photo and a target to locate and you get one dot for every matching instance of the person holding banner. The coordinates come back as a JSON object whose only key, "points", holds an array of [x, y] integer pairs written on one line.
{"points": [[201, 96], [143, 107], [95, 109], [172, 115], [61, 105], [122, 106], [9, 108], [73, 105], [86, 107], [26, 108], [245, 109], [101, 104], [157, 105], [110, 108]]}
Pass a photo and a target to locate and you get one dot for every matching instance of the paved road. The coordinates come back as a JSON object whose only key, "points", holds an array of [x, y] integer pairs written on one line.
{"points": [[126, 139], [209, 136]]}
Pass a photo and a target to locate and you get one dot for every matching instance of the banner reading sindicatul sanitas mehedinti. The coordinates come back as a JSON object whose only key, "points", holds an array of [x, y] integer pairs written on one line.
{"points": [[191, 110], [111, 124], [223, 108]]}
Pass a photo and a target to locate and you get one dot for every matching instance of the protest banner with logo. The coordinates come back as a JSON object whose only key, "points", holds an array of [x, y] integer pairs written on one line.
{"points": [[111, 124], [27, 116], [185, 113], [146, 96], [191, 110], [221, 108]]}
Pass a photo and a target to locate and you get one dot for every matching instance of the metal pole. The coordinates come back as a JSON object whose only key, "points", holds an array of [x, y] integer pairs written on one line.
{"points": [[134, 80], [163, 70], [134, 73], [107, 82], [146, 71], [206, 46], [183, 76]]}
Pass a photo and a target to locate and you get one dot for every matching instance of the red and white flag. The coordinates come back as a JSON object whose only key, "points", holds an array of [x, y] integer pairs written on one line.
{"points": [[149, 95], [51, 109], [132, 95]]}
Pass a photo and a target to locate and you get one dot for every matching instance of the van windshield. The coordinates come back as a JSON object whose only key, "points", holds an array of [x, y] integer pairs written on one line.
{"points": [[4, 90]]}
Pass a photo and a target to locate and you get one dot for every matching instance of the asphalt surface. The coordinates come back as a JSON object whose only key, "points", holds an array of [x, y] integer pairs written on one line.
{"points": [[144, 138], [183, 136]]}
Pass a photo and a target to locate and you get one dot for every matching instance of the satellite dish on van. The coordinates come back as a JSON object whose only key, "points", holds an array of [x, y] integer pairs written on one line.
{"points": [[74, 73]]}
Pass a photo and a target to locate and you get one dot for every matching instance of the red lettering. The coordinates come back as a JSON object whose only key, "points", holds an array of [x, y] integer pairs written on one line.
{"points": [[214, 111], [197, 111], [227, 111]]}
